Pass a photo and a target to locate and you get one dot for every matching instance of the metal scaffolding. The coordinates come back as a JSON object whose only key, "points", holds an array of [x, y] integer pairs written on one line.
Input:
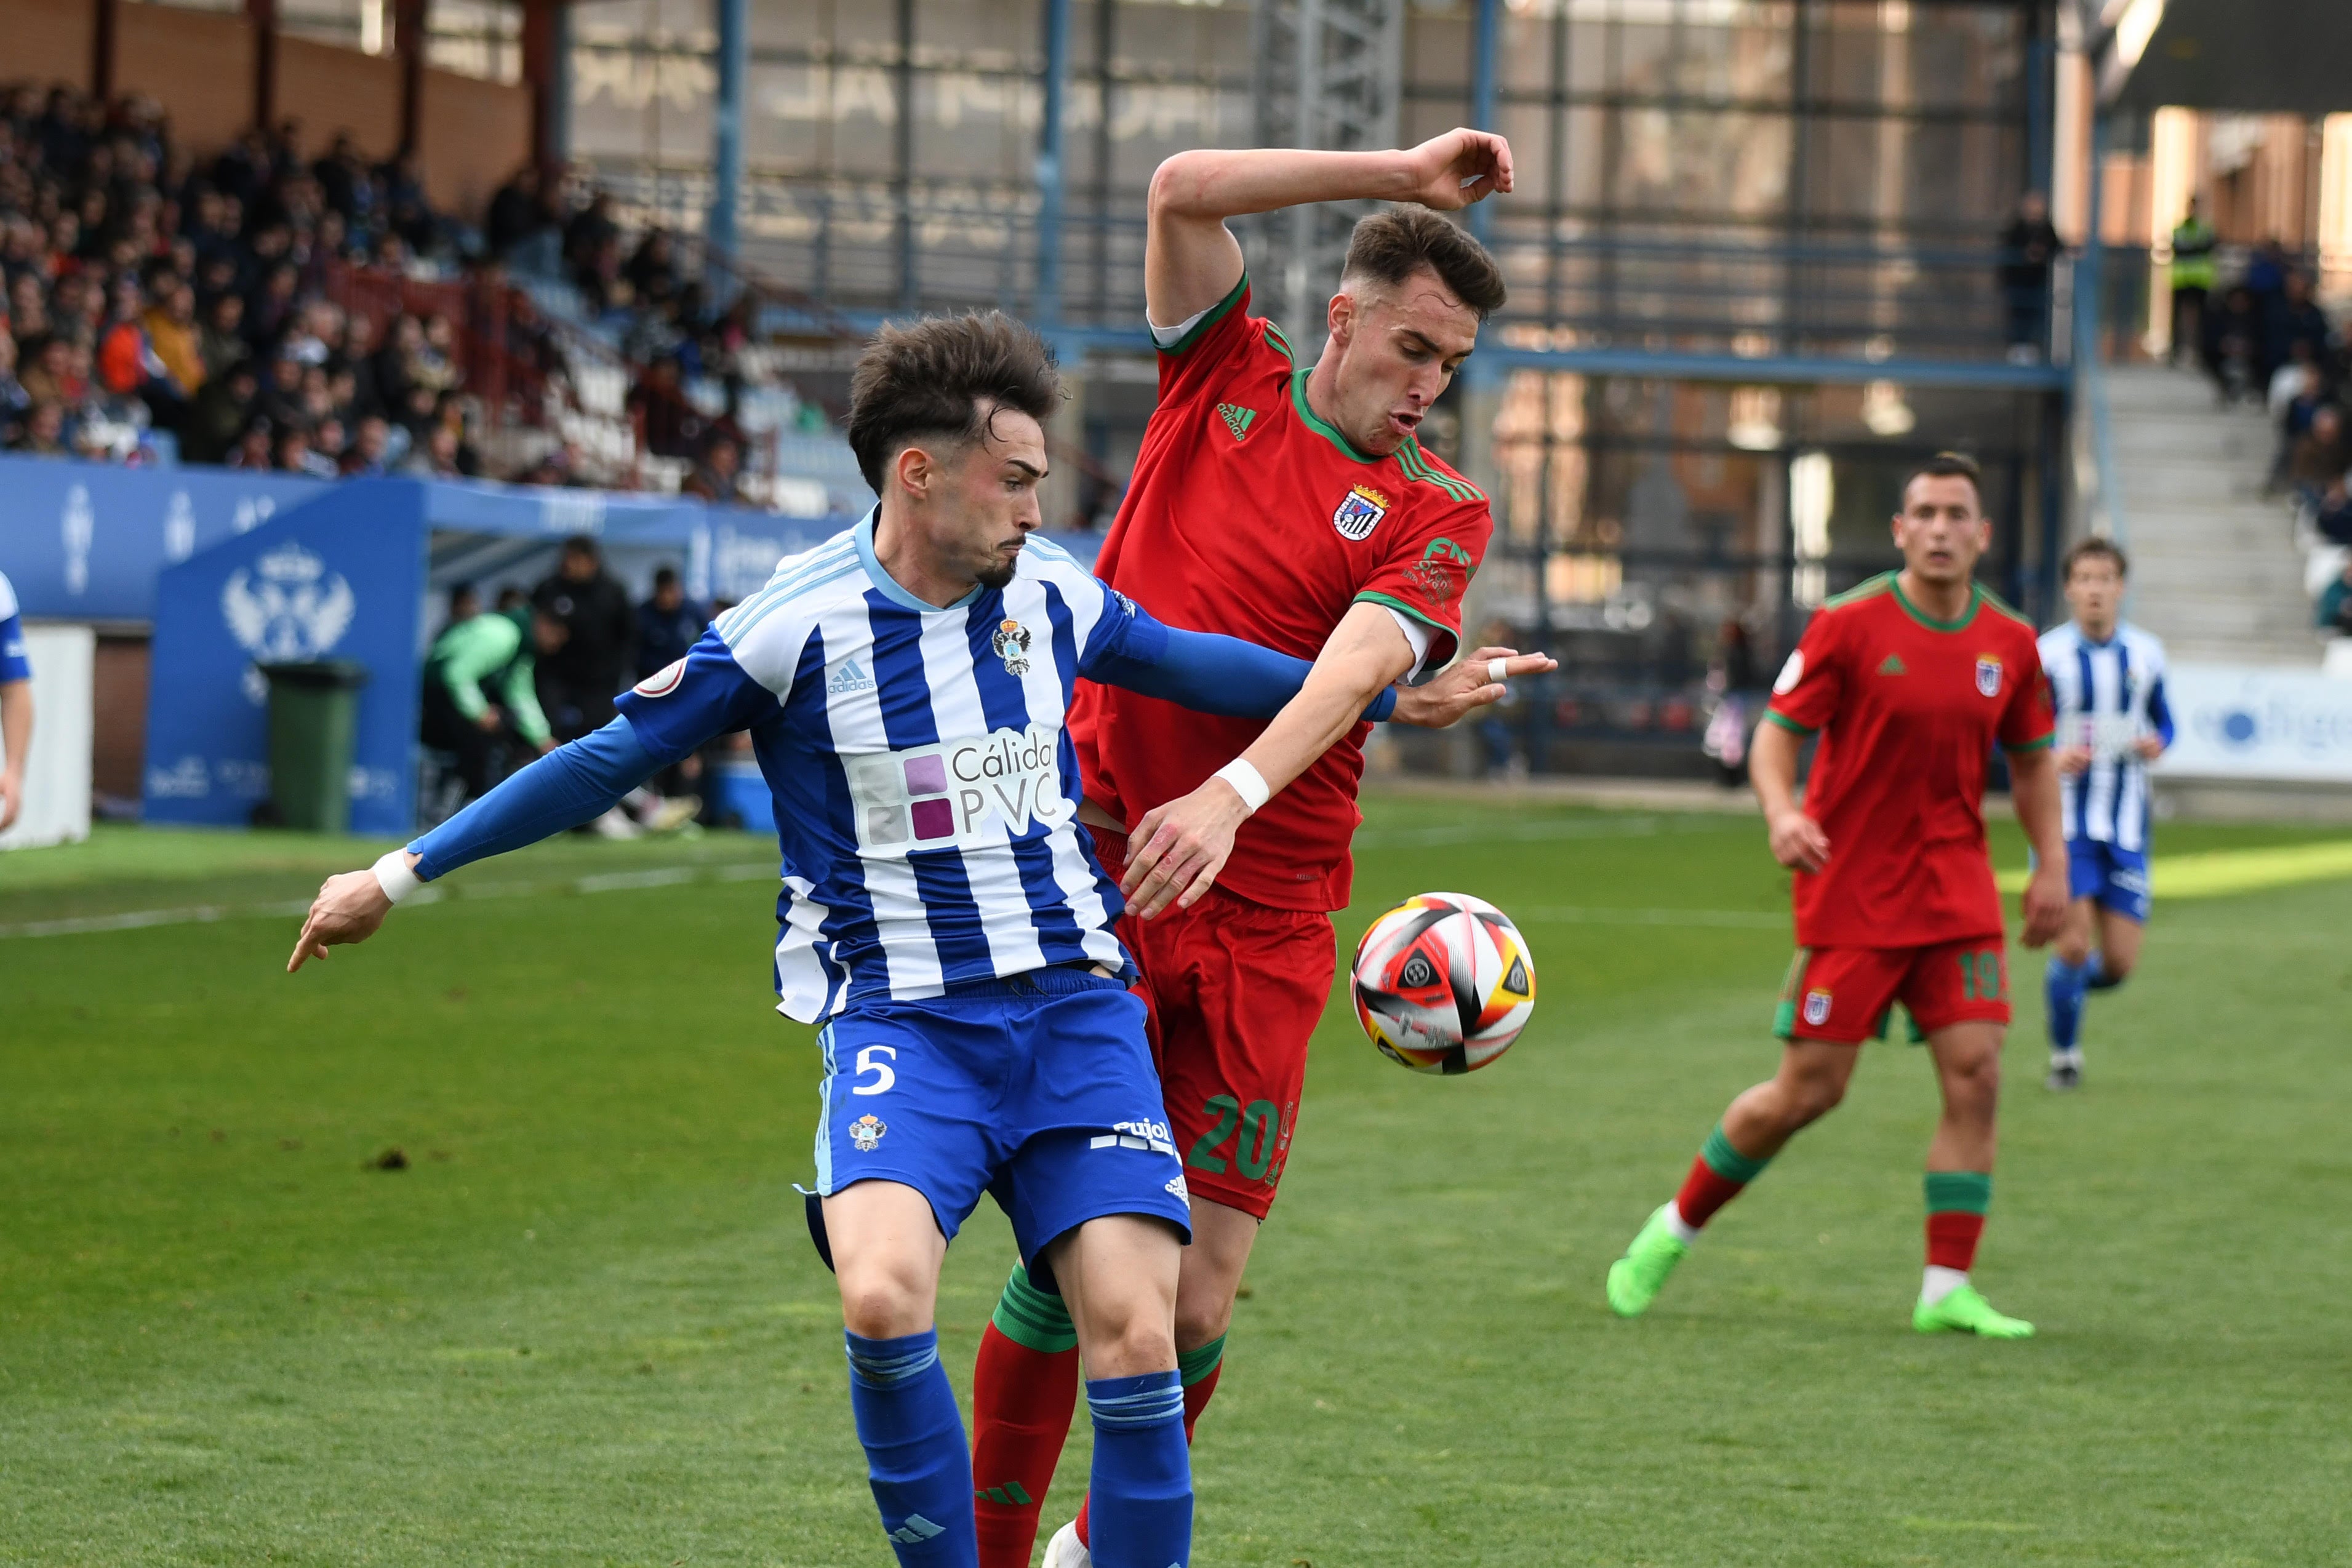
{"points": [[1326, 74]]}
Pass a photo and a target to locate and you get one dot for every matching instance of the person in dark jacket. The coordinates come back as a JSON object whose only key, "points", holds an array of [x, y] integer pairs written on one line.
{"points": [[2029, 247], [578, 682], [668, 624]]}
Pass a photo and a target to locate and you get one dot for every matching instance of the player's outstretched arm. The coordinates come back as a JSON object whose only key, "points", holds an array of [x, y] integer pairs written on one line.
{"points": [[2033, 790], [1190, 261], [1479, 680], [572, 785]]}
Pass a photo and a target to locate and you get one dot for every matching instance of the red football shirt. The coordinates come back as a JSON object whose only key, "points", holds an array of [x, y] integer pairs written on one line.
{"points": [[1909, 710], [1249, 515]]}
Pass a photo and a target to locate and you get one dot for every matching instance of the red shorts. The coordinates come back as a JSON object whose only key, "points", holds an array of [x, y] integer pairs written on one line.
{"points": [[1235, 990], [1845, 994]]}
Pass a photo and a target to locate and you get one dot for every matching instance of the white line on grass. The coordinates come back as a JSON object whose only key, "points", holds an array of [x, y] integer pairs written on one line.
{"points": [[206, 914]]}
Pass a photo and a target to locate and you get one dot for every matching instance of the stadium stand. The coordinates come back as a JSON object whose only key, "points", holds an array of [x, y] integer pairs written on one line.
{"points": [[256, 305]]}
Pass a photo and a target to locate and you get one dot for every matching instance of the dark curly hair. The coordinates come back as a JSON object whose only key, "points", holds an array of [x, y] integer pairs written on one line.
{"points": [[945, 378]]}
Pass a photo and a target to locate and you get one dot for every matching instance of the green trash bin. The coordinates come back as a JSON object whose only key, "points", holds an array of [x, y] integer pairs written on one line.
{"points": [[314, 722]]}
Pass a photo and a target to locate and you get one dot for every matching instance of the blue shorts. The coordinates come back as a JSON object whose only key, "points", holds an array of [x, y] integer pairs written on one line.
{"points": [[2116, 877], [1037, 1089]]}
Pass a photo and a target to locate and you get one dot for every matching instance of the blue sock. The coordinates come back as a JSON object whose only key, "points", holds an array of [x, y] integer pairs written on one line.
{"points": [[1140, 1513], [2095, 976], [915, 1453], [2062, 985]]}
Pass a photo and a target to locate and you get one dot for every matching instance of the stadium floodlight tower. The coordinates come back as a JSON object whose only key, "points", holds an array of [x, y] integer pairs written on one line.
{"points": [[1325, 74]]}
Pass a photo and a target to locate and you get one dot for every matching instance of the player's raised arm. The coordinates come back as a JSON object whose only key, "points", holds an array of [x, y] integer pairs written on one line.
{"points": [[1191, 261]]}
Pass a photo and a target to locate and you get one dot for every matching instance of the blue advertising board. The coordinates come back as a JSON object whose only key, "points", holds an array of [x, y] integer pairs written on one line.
{"points": [[339, 577], [344, 574], [87, 541]]}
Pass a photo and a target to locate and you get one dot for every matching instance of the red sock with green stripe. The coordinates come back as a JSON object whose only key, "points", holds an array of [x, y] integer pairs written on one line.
{"points": [[1718, 1175], [1199, 1371], [1024, 1389], [1957, 1202]]}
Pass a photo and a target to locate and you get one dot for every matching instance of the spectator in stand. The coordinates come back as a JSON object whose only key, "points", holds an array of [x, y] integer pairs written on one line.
{"points": [[2317, 459], [2290, 317], [719, 477], [2232, 345], [2029, 247], [2335, 608], [577, 686], [2265, 274], [41, 434], [295, 456], [222, 342], [436, 458], [14, 398], [673, 426], [668, 624], [254, 447], [364, 457], [652, 270], [218, 414]]}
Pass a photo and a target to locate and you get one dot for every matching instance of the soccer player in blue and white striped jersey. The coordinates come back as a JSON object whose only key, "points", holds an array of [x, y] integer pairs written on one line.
{"points": [[2108, 681], [944, 916]]}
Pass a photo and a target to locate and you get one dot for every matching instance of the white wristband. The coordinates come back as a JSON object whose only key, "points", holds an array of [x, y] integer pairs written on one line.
{"points": [[1247, 782], [1498, 671], [394, 876]]}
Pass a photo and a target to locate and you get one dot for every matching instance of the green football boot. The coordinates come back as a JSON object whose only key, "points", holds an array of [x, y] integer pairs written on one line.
{"points": [[1635, 1278], [1965, 1312]]}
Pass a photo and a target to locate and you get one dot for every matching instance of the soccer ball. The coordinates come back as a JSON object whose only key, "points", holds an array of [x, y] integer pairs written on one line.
{"points": [[1444, 983]]}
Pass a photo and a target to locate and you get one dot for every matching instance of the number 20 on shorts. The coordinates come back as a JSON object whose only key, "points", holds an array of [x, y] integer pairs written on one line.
{"points": [[1256, 1133]]}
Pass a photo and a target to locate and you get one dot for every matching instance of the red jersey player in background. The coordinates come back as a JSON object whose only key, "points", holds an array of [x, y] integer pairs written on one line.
{"points": [[1910, 680], [1289, 497]]}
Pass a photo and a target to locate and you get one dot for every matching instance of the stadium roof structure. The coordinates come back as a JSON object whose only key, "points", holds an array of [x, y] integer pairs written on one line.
{"points": [[2248, 56]]}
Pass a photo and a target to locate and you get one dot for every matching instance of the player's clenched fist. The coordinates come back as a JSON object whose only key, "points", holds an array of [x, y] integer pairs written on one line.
{"points": [[1798, 842], [1458, 168]]}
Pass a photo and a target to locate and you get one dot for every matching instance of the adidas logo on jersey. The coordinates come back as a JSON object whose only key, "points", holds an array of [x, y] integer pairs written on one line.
{"points": [[1238, 418], [1892, 665], [849, 679]]}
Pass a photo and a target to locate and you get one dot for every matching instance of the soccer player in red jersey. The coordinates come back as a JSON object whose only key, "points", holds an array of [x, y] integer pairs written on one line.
{"points": [[1910, 680], [1288, 496]]}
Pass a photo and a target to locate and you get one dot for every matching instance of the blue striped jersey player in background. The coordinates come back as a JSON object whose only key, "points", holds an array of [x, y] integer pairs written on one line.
{"points": [[16, 706], [2107, 680], [943, 915]]}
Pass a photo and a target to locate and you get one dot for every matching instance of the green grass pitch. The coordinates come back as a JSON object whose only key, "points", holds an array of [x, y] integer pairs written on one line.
{"points": [[584, 1326]]}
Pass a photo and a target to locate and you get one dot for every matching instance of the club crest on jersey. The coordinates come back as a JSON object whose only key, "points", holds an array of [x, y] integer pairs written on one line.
{"points": [[1012, 645], [1988, 675], [1817, 1009], [1360, 512], [867, 1132]]}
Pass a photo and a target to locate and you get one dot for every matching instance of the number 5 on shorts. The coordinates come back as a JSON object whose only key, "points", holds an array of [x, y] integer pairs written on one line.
{"points": [[868, 1061]]}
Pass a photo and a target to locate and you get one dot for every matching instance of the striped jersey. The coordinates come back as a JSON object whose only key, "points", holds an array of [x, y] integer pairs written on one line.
{"points": [[926, 791], [2109, 695], [13, 666]]}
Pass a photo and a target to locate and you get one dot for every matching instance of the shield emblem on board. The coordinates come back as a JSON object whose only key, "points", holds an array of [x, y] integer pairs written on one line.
{"points": [[1988, 675]]}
